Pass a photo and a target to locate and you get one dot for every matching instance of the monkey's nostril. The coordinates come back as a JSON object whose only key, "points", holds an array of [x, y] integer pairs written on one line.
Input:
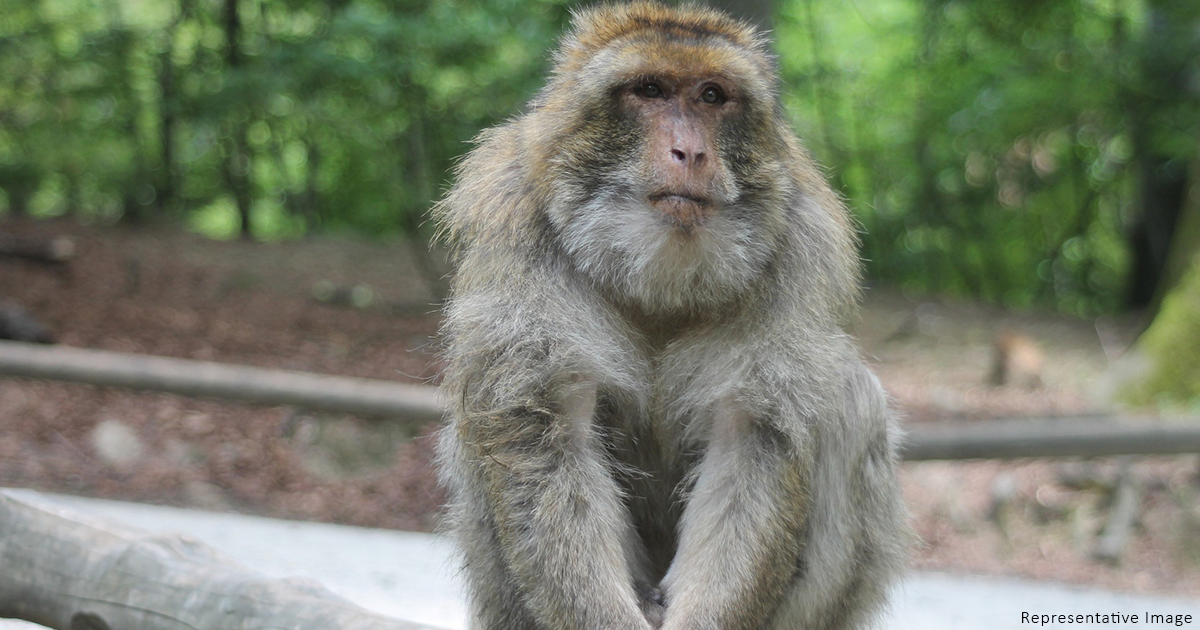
{"points": [[679, 156]]}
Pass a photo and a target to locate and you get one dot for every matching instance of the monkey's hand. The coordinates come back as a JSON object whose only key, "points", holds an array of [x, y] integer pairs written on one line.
{"points": [[653, 605], [740, 535]]}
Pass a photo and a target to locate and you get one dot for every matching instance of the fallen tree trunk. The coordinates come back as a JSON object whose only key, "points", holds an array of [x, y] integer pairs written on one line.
{"points": [[68, 572], [55, 251], [992, 439], [1049, 437], [204, 379], [18, 324]]}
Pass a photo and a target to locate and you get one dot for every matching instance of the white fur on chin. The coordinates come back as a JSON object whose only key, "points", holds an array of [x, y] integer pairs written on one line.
{"points": [[629, 246]]}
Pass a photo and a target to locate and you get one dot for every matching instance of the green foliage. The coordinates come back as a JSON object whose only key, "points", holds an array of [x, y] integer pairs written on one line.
{"points": [[352, 111], [987, 147], [1172, 344]]}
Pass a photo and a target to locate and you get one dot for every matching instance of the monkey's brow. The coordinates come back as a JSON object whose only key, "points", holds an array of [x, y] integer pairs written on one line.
{"points": [[635, 79]]}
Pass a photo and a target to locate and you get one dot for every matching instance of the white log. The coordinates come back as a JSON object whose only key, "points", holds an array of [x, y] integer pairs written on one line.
{"points": [[67, 571]]}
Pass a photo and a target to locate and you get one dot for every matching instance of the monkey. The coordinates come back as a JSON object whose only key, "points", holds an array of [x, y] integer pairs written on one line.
{"points": [[655, 419]]}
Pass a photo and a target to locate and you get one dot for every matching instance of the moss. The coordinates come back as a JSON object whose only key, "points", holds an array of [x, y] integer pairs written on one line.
{"points": [[1172, 344]]}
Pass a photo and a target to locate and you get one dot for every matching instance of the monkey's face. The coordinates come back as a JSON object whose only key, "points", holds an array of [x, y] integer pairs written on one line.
{"points": [[668, 176], [679, 119]]}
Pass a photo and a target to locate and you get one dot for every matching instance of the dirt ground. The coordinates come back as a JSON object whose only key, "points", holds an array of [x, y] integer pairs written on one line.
{"points": [[169, 293]]}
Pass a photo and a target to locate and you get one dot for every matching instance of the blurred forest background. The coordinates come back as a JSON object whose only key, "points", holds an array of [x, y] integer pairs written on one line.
{"points": [[1025, 152], [1013, 164], [1028, 153]]}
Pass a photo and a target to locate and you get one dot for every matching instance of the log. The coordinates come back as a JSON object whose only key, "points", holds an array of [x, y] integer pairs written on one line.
{"points": [[1049, 437], [55, 251], [67, 571], [18, 324], [992, 439], [205, 379]]}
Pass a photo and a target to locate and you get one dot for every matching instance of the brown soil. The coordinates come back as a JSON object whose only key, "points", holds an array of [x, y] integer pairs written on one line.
{"points": [[164, 292]]}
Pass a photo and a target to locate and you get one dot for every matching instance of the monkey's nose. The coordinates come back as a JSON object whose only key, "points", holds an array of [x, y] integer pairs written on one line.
{"points": [[687, 158]]}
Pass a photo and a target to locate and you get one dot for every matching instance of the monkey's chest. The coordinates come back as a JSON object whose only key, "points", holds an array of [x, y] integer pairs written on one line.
{"points": [[651, 433], [651, 450], [650, 463]]}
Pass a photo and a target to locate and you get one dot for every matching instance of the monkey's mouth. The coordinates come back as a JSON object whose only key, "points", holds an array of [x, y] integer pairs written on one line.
{"points": [[684, 211]]}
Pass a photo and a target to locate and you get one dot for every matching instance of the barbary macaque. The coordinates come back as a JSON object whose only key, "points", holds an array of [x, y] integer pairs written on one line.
{"points": [[656, 420]]}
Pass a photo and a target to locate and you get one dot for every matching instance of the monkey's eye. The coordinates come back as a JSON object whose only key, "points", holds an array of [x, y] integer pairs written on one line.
{"points": [[712, 95], [650, 89]]}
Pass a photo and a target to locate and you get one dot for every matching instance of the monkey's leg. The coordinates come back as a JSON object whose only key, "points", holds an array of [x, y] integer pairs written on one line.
{"points": [[561, 533], [741, 529]]}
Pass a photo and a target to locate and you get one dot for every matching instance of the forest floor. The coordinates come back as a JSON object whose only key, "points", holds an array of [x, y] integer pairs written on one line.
{"points": [[166, 292]]}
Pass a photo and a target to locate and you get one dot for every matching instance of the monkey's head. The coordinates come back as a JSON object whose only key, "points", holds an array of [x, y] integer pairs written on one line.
{"points": [[659, 156], [670, 162]]}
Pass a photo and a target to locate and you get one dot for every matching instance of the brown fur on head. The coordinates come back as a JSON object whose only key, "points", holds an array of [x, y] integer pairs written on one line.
{"points": [[711, 39], [598, 26]]}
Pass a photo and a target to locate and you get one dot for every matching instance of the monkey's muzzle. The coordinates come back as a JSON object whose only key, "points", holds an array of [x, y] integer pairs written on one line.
{"points": [[683, 211]]}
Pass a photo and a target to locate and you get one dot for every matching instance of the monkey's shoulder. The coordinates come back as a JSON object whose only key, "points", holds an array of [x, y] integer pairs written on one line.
{"points": [[495, 199]]}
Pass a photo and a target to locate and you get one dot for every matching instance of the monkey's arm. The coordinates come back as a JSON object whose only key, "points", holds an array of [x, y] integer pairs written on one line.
{"points": [[548, 538], [792, 523], [740, 534]]}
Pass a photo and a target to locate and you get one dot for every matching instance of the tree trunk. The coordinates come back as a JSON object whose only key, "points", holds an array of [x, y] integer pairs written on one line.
{"points": [[1185, 240], [237, 156], [166, 112], [140, 191], [1166, 60]]}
